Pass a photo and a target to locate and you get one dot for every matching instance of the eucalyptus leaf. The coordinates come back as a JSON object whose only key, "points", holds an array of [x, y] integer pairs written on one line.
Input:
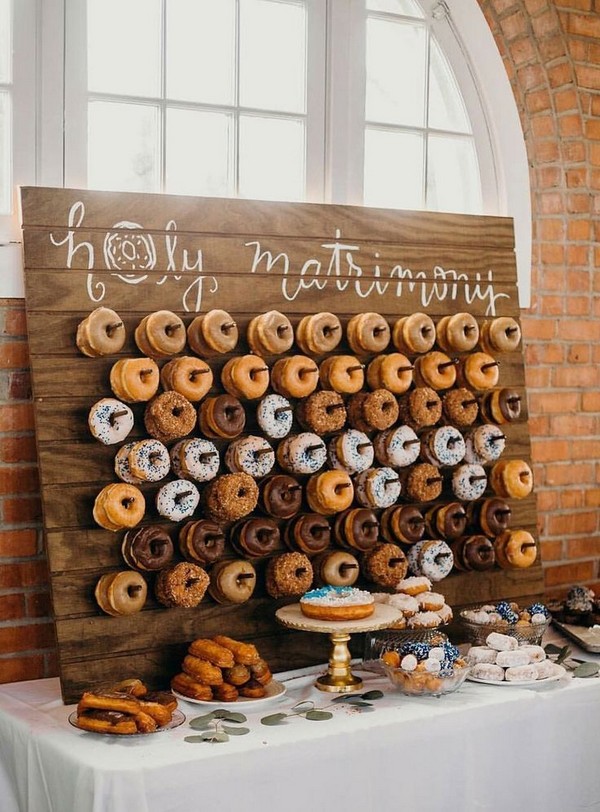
{"points": [[302, 707], [551, 648], [233, 717], [236, 731], [207, 717], [273, 719], [586, 670], [194, 739], [373, 695], [201, 723], [361, 704], [215, 736], [346, 698], [318, 716], [564, 653]]}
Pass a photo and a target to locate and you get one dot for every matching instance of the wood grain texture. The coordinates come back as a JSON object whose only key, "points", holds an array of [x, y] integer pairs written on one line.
{"points": [[138, 253]]}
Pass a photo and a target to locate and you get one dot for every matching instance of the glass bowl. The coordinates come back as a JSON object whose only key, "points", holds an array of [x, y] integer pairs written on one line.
{"points": [[422, 683], [477, 633], [376, 643]]}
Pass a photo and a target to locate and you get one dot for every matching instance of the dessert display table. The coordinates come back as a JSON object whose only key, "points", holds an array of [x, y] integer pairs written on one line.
{"points": [[483, 747]]}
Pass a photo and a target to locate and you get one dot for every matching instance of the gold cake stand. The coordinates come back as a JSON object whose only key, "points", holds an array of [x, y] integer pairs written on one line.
{"points": [[339, 678]]}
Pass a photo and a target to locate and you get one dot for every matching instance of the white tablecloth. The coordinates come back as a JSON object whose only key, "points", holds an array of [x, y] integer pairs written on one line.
{"points": [[509, 749]]}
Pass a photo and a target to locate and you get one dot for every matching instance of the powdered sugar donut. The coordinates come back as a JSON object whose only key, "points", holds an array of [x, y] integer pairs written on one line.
{"points": [[377, 487], [397, 447], [351, 451], [177, 500], [469, 482], [275, 415], [536, 654], [122, 469], [521, 673], [409, 662], [546, 668], [149, 460], [510, 659], [303, 453], [110, 421], [501, 642], [481, 654], [250, 455], [430, 601], [488, 671], [446, 614], [195, 458]]}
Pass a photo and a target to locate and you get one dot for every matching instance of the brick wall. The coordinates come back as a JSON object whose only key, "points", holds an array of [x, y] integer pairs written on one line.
{"points": [[551, 51]]}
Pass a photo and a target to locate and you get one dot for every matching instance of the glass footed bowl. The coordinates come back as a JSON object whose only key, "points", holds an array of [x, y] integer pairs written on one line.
{"points": [[422, 683], [477, 633], [376, 643]]}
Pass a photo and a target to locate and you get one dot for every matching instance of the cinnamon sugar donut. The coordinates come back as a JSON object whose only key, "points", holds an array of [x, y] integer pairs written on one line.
{"points": [[373, 410], [385, 565], [419, 408], [460, 407], [181, 585], [289, 575], [169, 416], [422, 483], [322, 412], [230, 497]]}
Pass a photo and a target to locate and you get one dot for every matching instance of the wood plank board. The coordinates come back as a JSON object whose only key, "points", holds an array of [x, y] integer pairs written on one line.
{"points": [[191, 255]]}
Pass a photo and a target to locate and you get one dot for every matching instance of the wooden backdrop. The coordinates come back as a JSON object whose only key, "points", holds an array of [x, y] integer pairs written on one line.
{"points": [[190, 255]]}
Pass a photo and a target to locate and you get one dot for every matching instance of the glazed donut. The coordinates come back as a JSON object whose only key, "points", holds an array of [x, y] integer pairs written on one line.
{"points": [[309, 533], [289, 575], [202, 670], [436, 370], [479, 371], [275, 415], [255, 537], [342, 373], [484, 444], [221, 417], [422, 482], [367, 333], [397, 448], [121, 593], [329, 492], [419, 408], [373, 410], [500, 335], [122, 469], [474, 553], [469, 482], [322, 412], [245, 377], [402, 524], [187, 686], [357, 528], [512, 478], [447, 521], [460, 407], [214, 333], [457, 333], [270, 333], [177, 500], [351, 451], [493, 516], [433, 559], [102, 332], [169, 416], [385, 565], [118, 506], [182, 585], [232, 581], [280, 496], [207, 649], [189, 376], [501, 406], [147, 548], [202, 542], [160, 334], [303, 453], [134, 379], [230, 497], [336, 569], [515, 549], [319, 333], [414, 334], [392, 372], [149, 460], [251, 455], [196, 459], [377, 487], [110, 421], [295, 377], [443, 446]]}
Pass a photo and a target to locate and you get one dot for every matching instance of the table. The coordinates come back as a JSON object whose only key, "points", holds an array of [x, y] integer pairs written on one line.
{"points": [[483, 748]]}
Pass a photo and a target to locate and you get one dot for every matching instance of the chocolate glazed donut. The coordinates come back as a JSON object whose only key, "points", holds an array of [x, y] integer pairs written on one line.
{"points": [[147, 548], [309, 532], [255, 537], [404, 524], [474, 553], [493, 516], [448, 521], [357, 528], [281, 496], [222, 416], [202, 541]]}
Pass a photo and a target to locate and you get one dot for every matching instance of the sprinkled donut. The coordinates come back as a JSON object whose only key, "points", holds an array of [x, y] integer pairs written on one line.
{"points": [[177, 500], [169, 416], [110, 421], [250, 455], [122, 469], [322, 412], [183, 585], [488, 442], [444, 446], [289, 575], [149, 460], [303, 453], [397, 447], [351, 451], [433, 559], [275, 416], [102, 332], [469, 482], [488, 671], [377, 487], [195, 459]]}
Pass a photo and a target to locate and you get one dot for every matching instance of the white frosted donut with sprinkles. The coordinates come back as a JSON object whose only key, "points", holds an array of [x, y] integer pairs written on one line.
{"points": [[447, 445], [122, 469], [250, 455], [488, 442], [275, 416], [431, 558], [397, 447], [305, 453], [471, 456], [195, 458], [469, 482], [177, 500], [351, 451], [149, 460], [377, 487], [110, 421]]}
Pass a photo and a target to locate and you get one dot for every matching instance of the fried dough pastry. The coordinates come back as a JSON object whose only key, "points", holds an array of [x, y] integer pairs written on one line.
{"points": [[105, 721], [209, 650], [244, 653], [252, 689], [109, 701], [226, 692], [202, 670], [237, 675], [186, 685]]}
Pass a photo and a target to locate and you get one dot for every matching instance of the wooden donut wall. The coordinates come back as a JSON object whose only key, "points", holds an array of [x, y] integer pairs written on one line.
{"points": [[139, 253]]}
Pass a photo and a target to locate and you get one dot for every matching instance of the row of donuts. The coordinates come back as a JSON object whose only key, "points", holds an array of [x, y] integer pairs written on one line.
{"points": [[162, 334]]}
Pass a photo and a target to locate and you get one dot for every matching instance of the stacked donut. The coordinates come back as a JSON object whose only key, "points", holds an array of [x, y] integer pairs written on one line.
{"points": [[421, 607], [503, 659]]}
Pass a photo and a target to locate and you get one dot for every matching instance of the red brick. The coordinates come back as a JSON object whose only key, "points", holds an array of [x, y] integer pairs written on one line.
{"points": [[15, 323], [570, 125], [550, 450], [550, 203], [553, 279], [27, 638], [572, 523], [572, 425], [578, 306], [16, 417], [502, 6], [538, 100], [578, 281], [579, 50], [578, 353], [557, 403], [566, 100], [578, 203], [592, 129], [547, 500], [551, 353], [18, 479], [552, 254], [535, 6], [552, 230], [578, 229], [569, 573], [18, 449], [14, 355], [582, 5], [592, 497], [571, 500], [573, 151], [548, 177], [23, 574], [576, 377], [551, 305], [551, 550], [538, 329], [15, 669], [514, 26], [22, 510], [559, 75], [573, 330], [18, 543], [594, 154], [552, 48], [12, 607], [19, 385], [545, 24], [575, 473], [522, 51], [537, 378], [584, 25], [546, 151], [590, 401], [583, 548]]}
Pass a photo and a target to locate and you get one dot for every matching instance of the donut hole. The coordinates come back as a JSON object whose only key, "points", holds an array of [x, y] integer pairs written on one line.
{"points": [[341, 486], [133, 589], [190, 582], [128, 502], [157, 547], [176, 411]]}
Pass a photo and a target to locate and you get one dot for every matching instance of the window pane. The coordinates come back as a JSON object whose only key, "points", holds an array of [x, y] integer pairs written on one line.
{"points": [[271, 158], [272, 55], [123, 147], [396, 54], [393, 170], [453, 182], [5, 42], [124, 46], [407, 7], [201, 50], [199, 153], [446, 107], [5, 165]]}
